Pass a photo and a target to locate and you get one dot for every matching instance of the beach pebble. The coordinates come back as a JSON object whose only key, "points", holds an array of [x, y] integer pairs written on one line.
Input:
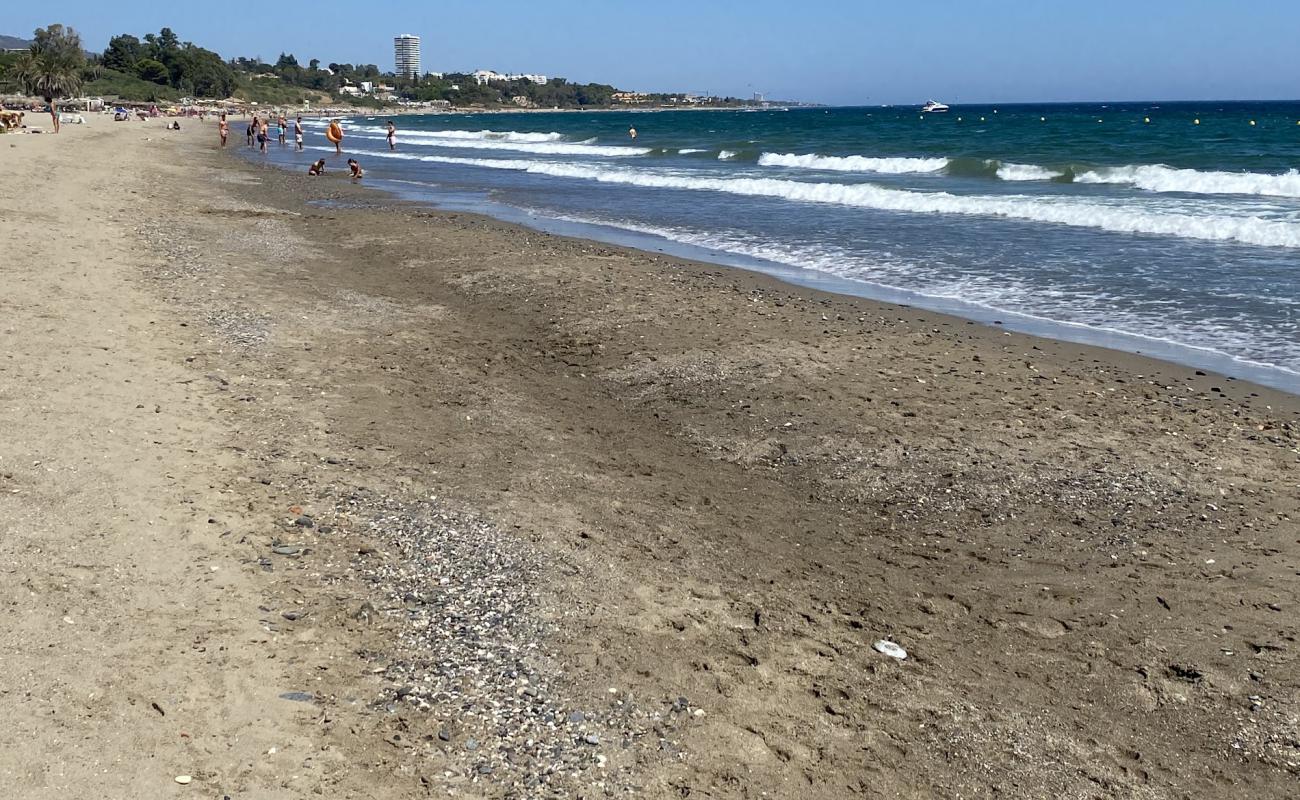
{"points": [[286, 550], [890, 649], [183, 780]]}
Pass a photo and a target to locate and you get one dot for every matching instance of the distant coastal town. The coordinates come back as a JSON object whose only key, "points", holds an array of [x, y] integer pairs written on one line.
{"points": [[161, 68]]}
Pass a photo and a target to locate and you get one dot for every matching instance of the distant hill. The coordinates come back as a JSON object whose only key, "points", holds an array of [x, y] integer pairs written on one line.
{"points": [[13, 43]]}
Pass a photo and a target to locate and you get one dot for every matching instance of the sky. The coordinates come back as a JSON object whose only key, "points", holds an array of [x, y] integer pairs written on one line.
{"points": [[841, 52]]}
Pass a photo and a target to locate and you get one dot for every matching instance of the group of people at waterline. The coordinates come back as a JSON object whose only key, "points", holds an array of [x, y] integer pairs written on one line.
{"points": [[258, 135]]}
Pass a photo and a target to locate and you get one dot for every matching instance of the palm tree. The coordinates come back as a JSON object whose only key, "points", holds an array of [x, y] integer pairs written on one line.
{"points": [[52, 67]]}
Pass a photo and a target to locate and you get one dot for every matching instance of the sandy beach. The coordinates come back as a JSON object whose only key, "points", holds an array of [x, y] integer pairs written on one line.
{"points": [[308, 492]]}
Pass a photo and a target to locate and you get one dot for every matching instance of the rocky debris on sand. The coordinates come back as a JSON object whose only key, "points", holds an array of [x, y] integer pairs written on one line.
{"points": [[472, 656], [180, 261], [243, 328]]}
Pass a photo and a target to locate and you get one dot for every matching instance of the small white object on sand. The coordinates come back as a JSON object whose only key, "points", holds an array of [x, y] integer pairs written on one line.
{"points": [[183, 779], [890, 649]]}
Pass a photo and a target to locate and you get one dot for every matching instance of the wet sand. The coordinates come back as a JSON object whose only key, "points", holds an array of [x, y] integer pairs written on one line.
{"points": [[475, 480]]}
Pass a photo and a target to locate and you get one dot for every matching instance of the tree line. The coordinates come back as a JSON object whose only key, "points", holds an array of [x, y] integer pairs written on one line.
{"points": [[161, 67], [163, 59]]}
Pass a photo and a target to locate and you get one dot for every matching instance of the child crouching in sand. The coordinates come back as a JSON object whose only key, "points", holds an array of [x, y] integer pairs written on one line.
{"points": [[357, 172], [317, 169]]}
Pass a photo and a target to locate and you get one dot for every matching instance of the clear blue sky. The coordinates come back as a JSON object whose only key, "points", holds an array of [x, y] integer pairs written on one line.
{"points": [[830, 51]]}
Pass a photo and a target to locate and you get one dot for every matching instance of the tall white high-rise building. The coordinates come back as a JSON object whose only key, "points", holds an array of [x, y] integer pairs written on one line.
{"points": [[406, 55]]}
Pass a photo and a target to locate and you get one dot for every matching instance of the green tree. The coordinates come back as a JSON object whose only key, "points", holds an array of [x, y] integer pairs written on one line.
{"points": [[153, 71], [52, 67], [168, 41], [122, 53], [202, 73]]}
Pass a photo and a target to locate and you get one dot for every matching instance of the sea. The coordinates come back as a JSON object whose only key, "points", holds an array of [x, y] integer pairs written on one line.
{"points": [[1169, 229]]}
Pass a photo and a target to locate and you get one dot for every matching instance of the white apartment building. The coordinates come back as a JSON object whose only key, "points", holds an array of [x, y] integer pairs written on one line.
{"points": [[483, 76], [406, 55]]}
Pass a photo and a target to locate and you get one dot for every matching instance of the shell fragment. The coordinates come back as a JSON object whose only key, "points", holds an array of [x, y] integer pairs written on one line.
{"points": [[890, 649]]}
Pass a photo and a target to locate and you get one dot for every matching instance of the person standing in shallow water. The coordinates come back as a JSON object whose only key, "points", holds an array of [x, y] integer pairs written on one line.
{"points": [[297, 133], [223, 128], [392, 135]]}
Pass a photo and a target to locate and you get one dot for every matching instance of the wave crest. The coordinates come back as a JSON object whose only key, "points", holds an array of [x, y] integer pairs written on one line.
{"points": [[1026, 172], [888, 166], [1060, 211], [1160, 178], [523, 137]]}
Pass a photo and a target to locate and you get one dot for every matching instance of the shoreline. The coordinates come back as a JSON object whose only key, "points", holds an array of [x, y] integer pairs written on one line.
{"points": [[1168, 352], [438, 503]]}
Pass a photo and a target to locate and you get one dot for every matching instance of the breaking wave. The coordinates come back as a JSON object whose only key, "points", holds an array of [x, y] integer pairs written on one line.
{"points": [[1160, 178], [486, 136], [890, 166], [1074, 212], [536, 148], [1149, 177], [907, 165], [1026, 172]]}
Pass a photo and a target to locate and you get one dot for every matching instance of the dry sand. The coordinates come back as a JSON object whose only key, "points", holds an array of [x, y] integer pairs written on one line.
{"points": [[364, 500]]}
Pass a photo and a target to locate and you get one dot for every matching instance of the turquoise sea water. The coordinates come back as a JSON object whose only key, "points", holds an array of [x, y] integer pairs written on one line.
{"points": [[1172, 229]]}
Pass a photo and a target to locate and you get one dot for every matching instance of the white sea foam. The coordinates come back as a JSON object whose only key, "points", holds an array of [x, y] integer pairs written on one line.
{"points": [[686, 151], [891, 166], [727, 155], [1026, 172], [1111, 216], [489, 136], [375, 154], [536, 148], [1160, 178]]}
